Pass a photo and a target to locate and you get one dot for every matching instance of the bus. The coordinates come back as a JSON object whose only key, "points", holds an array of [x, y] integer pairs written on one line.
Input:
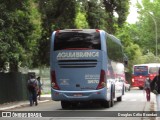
{"points": [[86, 65], [142, 71]]}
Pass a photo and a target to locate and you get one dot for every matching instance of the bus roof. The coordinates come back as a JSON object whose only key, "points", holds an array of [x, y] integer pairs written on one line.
{"points": [[79, 30], [149, 64]]}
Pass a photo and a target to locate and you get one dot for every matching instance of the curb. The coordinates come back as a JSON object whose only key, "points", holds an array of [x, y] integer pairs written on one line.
{"points": [[23, 103], [20, 105]]}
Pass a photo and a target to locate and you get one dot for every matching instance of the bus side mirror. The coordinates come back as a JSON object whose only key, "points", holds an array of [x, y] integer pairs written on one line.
{"points": [[125, 58], [125, 63]]}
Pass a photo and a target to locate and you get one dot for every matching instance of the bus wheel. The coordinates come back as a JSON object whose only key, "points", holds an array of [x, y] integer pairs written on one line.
{"points": [[141, 88], [123, 90], [65, 104], [112, 101], [112, 98], [119, 98], [106, 104], [129, 89]]}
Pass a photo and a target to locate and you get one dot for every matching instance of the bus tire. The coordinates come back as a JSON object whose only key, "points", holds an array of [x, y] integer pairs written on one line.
{"points": [[119, 98], [65, 104], [129, 89], [106, 104], [112, 96], [112, 102], [123, 90]]}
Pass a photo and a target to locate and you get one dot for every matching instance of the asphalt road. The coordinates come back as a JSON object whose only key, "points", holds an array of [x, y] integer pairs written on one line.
{"points": [[132, 105]]}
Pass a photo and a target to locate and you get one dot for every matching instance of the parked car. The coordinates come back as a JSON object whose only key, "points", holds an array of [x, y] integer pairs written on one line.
{"points": [[127, 86]]}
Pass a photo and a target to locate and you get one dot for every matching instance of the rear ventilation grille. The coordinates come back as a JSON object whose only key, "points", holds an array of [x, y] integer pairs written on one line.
{"points": [[77, 63]]}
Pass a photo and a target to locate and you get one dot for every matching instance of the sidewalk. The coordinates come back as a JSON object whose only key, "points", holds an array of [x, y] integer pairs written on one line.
{"points": [[16, 104], [152, 105]]}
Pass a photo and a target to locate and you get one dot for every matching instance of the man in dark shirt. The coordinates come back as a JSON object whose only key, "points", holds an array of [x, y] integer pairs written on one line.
{"points": [[32, 88], [155, 86]]}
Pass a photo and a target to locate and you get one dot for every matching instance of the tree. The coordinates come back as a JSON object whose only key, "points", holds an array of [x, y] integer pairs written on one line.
{"points": [[56, 14], [27, 25], [81, 20], [75, 14], [148, 22], [131, 49], [121, 7], [95, 14], [19, 33]]}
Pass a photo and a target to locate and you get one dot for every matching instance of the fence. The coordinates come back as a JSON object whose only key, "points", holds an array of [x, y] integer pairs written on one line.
{"points": [[13, 87], [44, 73]]}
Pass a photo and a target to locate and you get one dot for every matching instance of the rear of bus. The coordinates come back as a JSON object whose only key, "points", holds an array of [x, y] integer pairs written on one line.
{"points": [[153, 70], [140, 73], [77, 68]]}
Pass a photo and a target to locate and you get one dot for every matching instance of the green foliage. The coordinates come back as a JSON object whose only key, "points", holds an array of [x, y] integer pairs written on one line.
{"points": [[26, 26], [56, 14], [121, 7], [80, 20], [149, 58], [18, 34], [95, 13], [148, 22], [132, 50], [139, 39]]}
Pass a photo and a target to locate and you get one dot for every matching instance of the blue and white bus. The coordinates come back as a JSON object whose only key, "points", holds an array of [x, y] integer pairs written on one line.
{"points": [[86, 66]]}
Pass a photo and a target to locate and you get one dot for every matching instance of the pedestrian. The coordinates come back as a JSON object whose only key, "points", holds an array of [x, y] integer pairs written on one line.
{"points": [[155, 88], [147, 88], [39, 87], [32, 88]]}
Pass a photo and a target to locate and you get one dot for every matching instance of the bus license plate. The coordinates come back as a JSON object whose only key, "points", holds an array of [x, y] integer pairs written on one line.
{"points": [[77, 94]]}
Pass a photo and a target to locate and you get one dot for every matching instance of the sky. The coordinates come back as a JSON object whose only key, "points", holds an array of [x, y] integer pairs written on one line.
{"points": [[132, 17]]}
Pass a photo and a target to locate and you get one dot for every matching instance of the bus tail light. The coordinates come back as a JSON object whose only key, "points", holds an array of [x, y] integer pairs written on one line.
{"points": [[151, 75], [97, 30], [53, 81], [132, 79], [102, 82]]}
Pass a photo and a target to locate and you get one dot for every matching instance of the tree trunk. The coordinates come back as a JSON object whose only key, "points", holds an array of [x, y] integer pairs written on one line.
{"points": [[13, 67]]}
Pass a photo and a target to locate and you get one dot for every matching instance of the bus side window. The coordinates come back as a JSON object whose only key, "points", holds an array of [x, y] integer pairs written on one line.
{"points": [[114, 49]]}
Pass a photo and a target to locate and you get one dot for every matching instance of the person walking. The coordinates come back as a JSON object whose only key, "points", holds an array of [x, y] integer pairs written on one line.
{"points": [[147, 88], [155, 88], [32, 88], [39, 87]]}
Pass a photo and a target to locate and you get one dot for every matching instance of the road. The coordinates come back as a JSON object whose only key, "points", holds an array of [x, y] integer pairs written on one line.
{"points": [[133, 101]]}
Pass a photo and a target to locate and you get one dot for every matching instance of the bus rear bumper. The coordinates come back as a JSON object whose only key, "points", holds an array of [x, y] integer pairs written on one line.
{"points": [[58, 95], [137, 85]]}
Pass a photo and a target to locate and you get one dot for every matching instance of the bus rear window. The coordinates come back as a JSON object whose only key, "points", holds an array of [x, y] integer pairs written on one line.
{"points": [[153, 70], [77, 41], [140, 70]]}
